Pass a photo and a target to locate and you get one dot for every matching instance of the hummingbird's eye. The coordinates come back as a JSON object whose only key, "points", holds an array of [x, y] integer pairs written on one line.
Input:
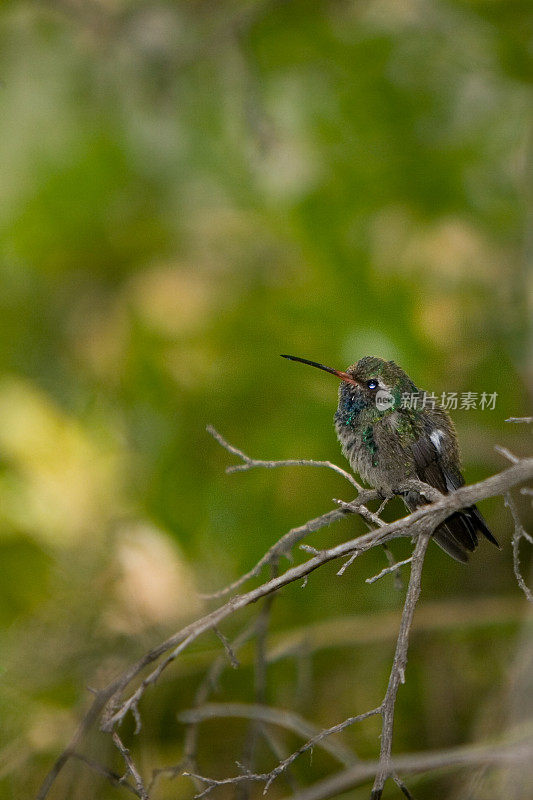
{"points": [[372, 383]]}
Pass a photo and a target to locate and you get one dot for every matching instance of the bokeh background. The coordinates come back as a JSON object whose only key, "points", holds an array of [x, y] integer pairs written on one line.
{"points": [[189, 189]]}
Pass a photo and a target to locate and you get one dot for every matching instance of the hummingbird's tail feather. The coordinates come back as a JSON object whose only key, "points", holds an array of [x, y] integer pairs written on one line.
{"points": [[450, 544], [457, 535], [477, 518]]}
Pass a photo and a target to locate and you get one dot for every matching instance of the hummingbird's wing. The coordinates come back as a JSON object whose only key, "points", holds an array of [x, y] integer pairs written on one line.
{"points": [[457, 535]]}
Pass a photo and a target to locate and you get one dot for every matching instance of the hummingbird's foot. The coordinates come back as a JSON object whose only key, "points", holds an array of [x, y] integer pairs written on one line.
{"points": [[420, 488]]}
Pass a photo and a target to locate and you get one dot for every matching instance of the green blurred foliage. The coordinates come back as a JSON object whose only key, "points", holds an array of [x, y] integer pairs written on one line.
{"points": [[188, 190]]}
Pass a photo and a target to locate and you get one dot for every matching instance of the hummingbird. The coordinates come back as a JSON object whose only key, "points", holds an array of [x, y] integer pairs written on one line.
{"points": [[389, 441]]}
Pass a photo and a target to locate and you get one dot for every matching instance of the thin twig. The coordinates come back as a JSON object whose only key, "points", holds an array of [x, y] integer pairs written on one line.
{"points": [[131, 704], [274, 716], [398, 581], [70, 751], [212, 783], [279, 752], [252, 463], [130, 766], [382, 505], [356, 507], [403, 788], [347, 564], [269, 777], [317, 739], [507, 454], [233, 660], [518, 534], [393, 568]]}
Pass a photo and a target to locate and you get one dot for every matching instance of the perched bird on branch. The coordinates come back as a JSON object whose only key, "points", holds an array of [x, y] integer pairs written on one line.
{"points": [[391, 435]]}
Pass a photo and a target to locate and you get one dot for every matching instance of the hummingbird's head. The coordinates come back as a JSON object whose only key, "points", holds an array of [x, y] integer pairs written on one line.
{"points": [[378, 383], [370, 383]]}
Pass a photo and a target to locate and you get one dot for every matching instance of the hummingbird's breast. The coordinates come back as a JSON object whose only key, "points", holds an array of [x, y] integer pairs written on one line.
{"points": [[376, 450]]}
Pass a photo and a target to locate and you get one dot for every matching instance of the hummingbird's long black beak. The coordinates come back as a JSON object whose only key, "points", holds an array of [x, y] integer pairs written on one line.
{"points": [[342, 375]]}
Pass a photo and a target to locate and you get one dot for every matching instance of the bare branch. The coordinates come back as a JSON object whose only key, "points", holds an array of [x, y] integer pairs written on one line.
{"points": [[212, 783], [403, 788], [269, 777], [507, 454], [233, 660], [346, 564], [130, 766], [85, 725], [399, 664], [131, 704], [317, 739], [398, 582], [274, 716], [382, 505], [518, 534], [355, 506], [393, 568], [251, 463]]}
